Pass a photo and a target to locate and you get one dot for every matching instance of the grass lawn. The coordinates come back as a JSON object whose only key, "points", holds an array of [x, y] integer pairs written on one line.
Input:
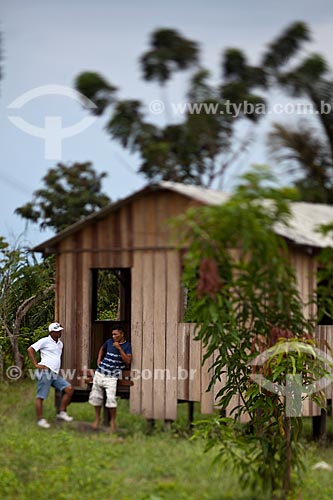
{"points": [[70, 463]]}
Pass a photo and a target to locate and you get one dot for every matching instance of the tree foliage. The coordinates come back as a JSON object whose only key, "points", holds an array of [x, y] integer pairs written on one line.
{"points": [[201, 147], [301, 151], [108, 294], [245, 301], [26, 298], [70, 193], [307, 147], [198, 149], [169, 52]]}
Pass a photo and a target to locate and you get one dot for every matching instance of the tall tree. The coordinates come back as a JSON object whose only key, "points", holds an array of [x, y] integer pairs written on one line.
{"points": [[307, 147], [199, 148], [303, 152], [70, 193]]}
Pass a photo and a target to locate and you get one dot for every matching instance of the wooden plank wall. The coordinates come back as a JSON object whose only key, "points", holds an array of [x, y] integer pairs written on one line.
{"points": [[148, 312], [194, 388], [137, 332], [183, 346], [194, 378], [171, 354], [68, 303], [305, 271], [190, 352], [96, 246], [85, 298], [159, 327], [155, 309], [324, 338]]}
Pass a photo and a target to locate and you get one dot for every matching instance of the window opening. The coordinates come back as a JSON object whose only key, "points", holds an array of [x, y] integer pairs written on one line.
{"points": [[111, 293]]}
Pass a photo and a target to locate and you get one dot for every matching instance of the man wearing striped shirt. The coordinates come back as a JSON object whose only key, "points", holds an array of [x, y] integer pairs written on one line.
{"points": [[112, 358]]}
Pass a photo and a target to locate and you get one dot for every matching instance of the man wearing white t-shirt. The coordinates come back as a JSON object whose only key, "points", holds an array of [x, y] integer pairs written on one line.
{"points": [[48, 373]]}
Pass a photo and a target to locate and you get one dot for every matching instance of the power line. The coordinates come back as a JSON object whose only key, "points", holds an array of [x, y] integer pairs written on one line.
{"points": [[15, 183]]}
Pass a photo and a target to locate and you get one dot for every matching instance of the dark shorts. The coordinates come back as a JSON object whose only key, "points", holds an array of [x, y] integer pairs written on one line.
{"points": [[46, 379]]}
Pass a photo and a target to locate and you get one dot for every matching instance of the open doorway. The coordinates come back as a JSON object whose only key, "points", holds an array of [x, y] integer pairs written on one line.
{"points": [[111, 305]]}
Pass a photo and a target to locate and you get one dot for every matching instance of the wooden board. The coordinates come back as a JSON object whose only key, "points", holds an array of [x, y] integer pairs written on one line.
{"points": [[85, 299], [147, 333], [195, 367], [207, 397], [183, 330], [172, 318], [160, 374], [136, 332]]}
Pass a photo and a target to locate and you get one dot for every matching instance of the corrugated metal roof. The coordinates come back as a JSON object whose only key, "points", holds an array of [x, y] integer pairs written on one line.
{"points": [[303, 225], [306, 217], [204, 195]]}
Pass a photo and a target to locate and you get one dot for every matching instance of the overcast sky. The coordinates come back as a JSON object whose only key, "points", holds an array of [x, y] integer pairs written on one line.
{"points": [[47, 42]]}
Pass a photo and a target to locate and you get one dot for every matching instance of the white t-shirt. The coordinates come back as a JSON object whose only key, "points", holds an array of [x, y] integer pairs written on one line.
{"points": [[50, 352]]}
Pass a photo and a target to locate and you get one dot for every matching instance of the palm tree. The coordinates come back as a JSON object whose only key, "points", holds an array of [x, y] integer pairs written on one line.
{"points": [[307, 148], [306, 155]]}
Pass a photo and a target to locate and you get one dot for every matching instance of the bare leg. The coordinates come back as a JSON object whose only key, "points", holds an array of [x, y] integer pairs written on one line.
{"points": [[39, 408], [113, 413], [95, 425], [66, 399]]}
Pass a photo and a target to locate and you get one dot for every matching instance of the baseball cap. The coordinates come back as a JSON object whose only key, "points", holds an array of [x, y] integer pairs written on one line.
{"points": [[55, 327]]}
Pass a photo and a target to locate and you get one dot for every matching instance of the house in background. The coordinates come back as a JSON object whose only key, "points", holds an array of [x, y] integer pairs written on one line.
{"points": [[129, 244]]}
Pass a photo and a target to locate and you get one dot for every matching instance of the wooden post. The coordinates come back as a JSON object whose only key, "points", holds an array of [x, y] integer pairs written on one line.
{"points": [[319, 427], [190, 414], [167, 424], [151, 425]]}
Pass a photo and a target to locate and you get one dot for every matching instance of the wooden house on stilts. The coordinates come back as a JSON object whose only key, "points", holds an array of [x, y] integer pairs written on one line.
{"points": [[130, 241]]}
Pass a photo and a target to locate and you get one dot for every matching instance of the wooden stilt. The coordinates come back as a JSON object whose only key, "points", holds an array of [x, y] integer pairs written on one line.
{"points": [[319, 426], [190, 408]]}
